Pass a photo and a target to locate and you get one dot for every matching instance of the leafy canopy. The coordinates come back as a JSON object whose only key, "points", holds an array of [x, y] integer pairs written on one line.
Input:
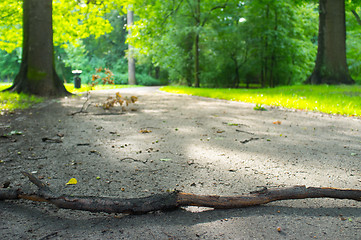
{"points": [[72, 20]]}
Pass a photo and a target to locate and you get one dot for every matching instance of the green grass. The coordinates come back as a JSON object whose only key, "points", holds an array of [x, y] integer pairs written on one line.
{"points": [[85, 87], [12, 101], [345, 100]]}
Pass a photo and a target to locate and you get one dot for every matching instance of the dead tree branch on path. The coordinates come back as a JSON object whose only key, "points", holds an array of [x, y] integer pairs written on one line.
{"points": [[172, 200], [84, 107]]}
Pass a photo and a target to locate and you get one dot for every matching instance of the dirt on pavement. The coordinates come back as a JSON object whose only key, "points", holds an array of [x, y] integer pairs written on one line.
{"points": [[192, 144]]}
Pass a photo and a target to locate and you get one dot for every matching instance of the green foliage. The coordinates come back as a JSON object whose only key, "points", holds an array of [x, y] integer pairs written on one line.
{"points": [[344, 100], [259, 107], [271, 41], [353, 45], [241, 43], [279, 36], [142, 79], [9, 64], [72, 20]]}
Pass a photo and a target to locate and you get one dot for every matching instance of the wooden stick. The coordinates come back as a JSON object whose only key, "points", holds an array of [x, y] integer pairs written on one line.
{"points": [[265, 196], [172, 200]]}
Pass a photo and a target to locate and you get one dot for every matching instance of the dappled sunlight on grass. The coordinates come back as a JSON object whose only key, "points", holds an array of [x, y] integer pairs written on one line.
{"points": [[11, 101], [86, 87], [345, 100]]}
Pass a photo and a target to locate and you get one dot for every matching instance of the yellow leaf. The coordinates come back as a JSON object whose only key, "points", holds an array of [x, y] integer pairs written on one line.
{"points": [[72, 181]]}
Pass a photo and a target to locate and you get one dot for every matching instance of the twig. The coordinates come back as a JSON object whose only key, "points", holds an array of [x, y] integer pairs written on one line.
{"points": [[135, 160], [172, 200], [51, 140], [49, 236], [237, 130], [248, 140], [36, 158], [83, 144], [83, 108]]}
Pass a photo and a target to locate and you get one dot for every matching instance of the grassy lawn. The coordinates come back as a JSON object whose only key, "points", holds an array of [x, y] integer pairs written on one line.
{"points": [[12, 101], [345, 100], [85, 87]]}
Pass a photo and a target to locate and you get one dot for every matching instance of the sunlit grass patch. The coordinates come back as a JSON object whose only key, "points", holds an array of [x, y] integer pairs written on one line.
{"points": [[86, 87], [345, 100], [4, 86], [12, 101]]}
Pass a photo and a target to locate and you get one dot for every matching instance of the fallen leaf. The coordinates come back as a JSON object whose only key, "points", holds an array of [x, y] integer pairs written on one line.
{"points": [[165, 159], [16, 132], [145, 131], [72, 181], [277, 122]]}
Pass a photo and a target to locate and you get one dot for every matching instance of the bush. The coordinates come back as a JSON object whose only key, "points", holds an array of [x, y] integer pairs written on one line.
{"points": [[142, 79]]}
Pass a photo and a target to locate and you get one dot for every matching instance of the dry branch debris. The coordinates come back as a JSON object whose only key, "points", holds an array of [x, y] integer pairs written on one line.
{"points": [[172, 200]]}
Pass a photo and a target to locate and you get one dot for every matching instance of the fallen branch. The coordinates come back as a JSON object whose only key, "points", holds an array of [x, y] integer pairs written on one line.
{"points": [[248, 140], [172, 200], [83, 108]]}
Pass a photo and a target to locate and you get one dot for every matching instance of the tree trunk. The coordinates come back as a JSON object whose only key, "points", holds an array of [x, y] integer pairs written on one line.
{"points": [[196, 62], [196, 45], [189, 67], [37, 73], [131, 61], [157, 72], [235, 83], [331, 66]]}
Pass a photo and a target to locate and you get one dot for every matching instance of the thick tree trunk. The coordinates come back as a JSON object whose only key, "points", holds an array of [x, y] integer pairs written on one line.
{"points": [[37, 71], [131, 61], [331, 66]]}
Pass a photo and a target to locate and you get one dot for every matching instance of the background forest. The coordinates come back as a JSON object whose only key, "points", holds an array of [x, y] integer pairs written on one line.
{"points": [[217, 43]]}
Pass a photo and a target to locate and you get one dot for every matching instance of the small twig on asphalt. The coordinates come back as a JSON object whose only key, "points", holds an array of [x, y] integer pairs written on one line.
{"points": [[248, 140], [237, 130], [83, 108], [51, 235], [135, 160], [51, 140], [83, 144], [36, 158]]}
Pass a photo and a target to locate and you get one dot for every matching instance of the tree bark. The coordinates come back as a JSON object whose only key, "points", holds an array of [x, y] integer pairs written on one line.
{"points": [[37, 70], [196, 45], [331, 66], [131, 61], [172, 200]]}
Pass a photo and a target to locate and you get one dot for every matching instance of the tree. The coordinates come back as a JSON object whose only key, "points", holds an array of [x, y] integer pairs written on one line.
{"points": [[131, 61], [37, 71], [73, 20], [331, 66]]}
